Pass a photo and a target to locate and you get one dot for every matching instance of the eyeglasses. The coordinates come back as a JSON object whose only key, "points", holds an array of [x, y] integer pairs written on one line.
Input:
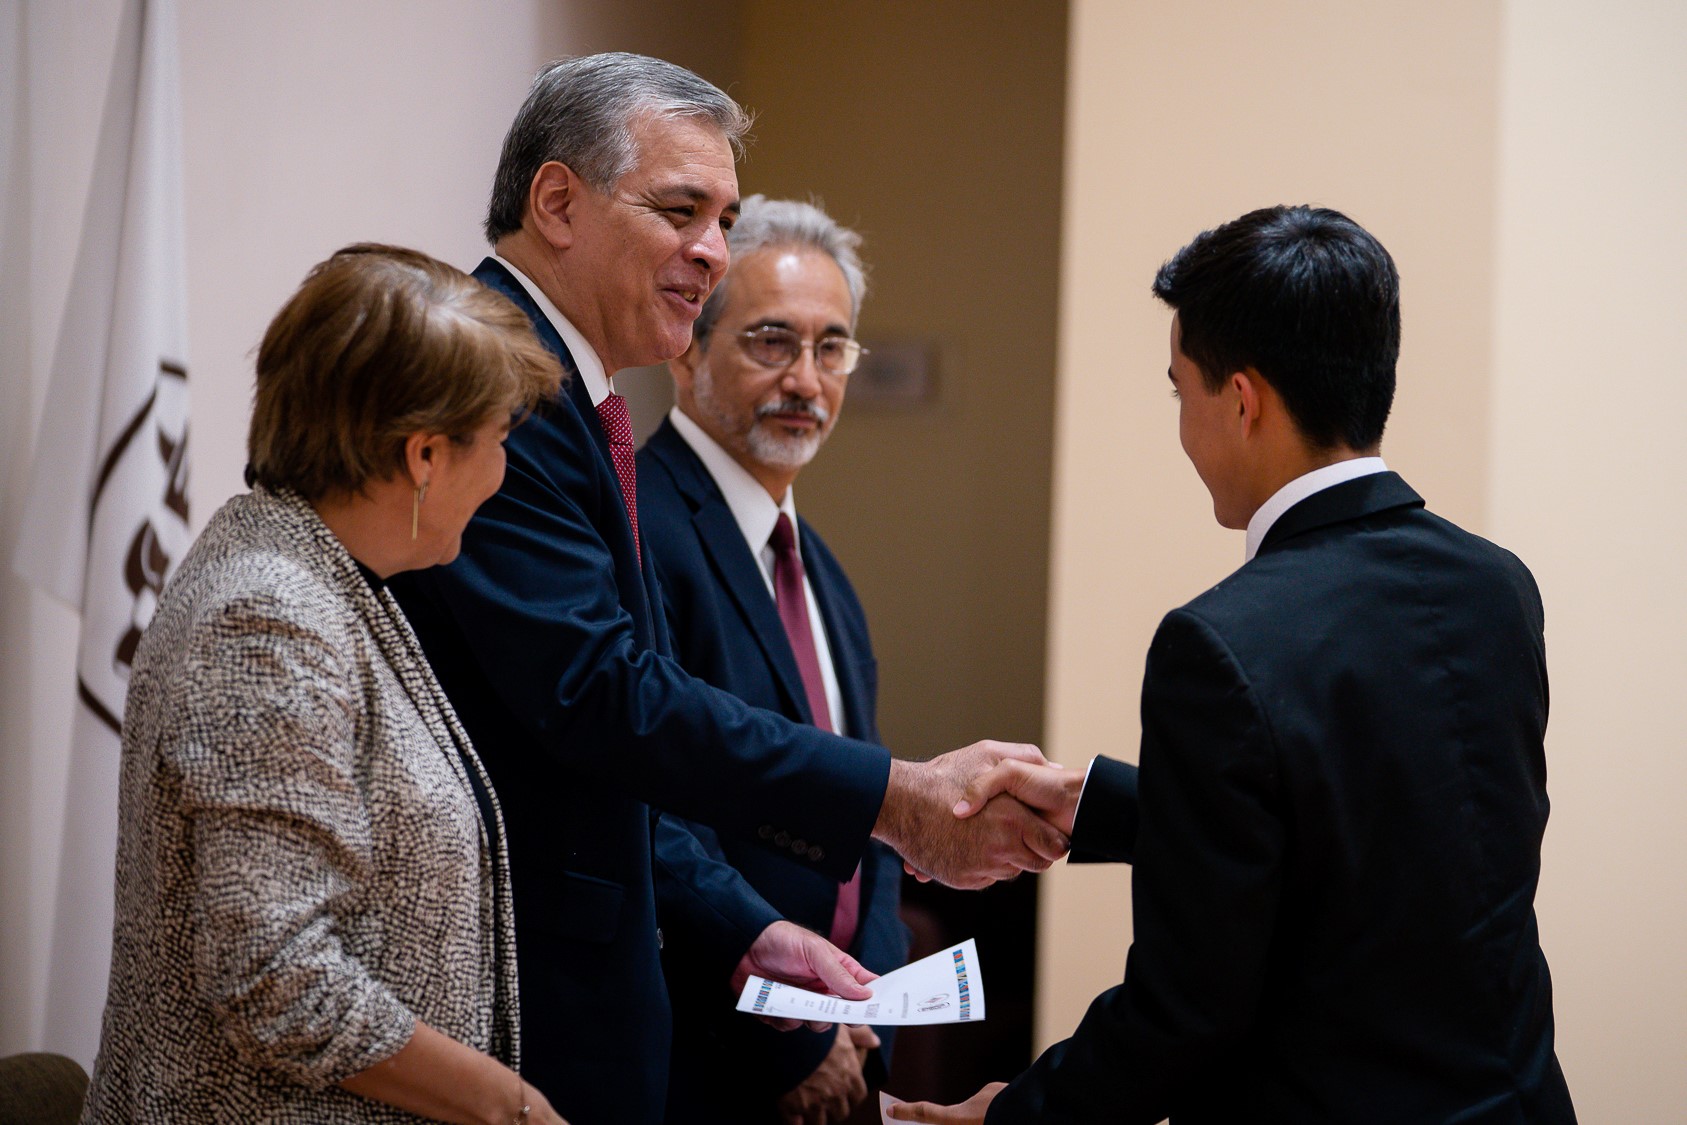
{"points": [[772, 346]]}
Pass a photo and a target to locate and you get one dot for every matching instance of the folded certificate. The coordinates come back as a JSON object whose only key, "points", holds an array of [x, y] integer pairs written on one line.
{"points": [[942, 988]]}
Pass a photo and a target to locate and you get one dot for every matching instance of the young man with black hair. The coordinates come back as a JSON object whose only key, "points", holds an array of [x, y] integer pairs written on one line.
{"points": [[1343, 784]]}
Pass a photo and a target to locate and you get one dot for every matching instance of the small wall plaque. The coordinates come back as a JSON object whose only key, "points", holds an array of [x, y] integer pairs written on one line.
{"points": [[896, 373]]}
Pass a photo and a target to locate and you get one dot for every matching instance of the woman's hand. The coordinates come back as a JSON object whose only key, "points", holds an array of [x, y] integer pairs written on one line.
{"points": [[539, 1110], [435, 1076]]}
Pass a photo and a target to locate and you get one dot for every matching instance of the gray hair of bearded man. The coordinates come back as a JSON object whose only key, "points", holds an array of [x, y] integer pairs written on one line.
{"points": [[581, 112], [764, 223]]}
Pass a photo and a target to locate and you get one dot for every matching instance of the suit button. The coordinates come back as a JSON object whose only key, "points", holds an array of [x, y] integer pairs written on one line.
{"points": [[783, 839], [800, 846], [765, 831], [658, 937], [816, 853]]}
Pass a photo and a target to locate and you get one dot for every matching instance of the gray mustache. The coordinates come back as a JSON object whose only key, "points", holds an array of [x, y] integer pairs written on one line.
{"points": [[795, 406]]}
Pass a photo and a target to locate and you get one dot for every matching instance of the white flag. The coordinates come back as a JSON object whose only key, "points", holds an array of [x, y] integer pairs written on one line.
{"points": [[106, 516]]}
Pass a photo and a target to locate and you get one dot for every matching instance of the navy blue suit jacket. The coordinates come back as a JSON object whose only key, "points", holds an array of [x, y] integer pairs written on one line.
{"points": [[1342, 797], [548, 636], [726, 630]]}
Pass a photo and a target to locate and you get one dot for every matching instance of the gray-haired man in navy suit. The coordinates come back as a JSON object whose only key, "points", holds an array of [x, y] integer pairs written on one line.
{"points": [[608, 220]]}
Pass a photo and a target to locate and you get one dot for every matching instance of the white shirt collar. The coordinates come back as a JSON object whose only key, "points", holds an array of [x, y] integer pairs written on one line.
{"points": [[599, 384], [1302, 487], [752, 507]]}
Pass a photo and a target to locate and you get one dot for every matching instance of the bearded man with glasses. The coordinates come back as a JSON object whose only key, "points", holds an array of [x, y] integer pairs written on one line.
{"points": [[757, 605]]}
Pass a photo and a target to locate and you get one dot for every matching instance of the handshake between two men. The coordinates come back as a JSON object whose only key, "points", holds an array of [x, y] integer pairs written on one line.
{"points": [[967, 819], [979, 814]]}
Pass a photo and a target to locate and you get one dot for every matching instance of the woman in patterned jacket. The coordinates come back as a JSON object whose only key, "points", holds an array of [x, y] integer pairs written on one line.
{"points": [[313, 898]]}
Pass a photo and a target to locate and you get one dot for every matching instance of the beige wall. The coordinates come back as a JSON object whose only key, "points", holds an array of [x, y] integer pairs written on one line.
{"points": [[1524, 165], [938, 136], [1585, 476], [298, 142]]}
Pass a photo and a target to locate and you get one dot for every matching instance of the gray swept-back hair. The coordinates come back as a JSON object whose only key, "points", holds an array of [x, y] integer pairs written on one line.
{"points": [[581, 112], [765, 222]]}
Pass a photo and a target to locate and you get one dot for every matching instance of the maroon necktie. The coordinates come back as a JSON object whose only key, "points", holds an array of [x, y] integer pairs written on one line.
{"points": [[793, 613], [612, 412]]}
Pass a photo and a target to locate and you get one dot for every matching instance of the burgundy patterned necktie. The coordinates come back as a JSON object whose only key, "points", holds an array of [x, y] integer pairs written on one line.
{"points": [[612, 412], [793, 614]]}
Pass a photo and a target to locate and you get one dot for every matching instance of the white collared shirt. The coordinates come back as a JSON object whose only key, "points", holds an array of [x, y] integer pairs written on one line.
{"points": [[1303, 486], [599, 384], [756, 514]]}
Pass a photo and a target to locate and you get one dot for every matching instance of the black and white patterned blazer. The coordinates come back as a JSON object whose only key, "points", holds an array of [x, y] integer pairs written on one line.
{"points": [[302, 868]]}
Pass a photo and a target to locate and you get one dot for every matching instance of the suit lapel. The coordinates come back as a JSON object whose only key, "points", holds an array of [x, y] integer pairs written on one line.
{"points": [[1350, 500], [492, 273], [582, 399], [639, 603], [731, 556]]}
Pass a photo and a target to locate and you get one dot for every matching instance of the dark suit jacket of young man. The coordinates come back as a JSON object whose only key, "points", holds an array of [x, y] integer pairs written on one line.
{"points": [[1342, 798], [725, 629], [548, 637]]}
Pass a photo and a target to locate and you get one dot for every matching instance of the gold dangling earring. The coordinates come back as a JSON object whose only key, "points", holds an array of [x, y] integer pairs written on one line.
{"points": [[416, 508]]}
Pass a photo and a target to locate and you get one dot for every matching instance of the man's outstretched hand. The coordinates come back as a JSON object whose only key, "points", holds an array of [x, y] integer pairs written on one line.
{"points": [[787, 952], [996, 841], [969, 1112]]}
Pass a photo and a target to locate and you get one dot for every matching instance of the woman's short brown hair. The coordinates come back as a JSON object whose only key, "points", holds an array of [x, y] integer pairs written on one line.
{"points": [[380, 343]]}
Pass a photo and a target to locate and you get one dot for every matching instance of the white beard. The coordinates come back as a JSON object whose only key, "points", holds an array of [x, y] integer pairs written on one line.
{"points": [[782, 450], [765, 441]]}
